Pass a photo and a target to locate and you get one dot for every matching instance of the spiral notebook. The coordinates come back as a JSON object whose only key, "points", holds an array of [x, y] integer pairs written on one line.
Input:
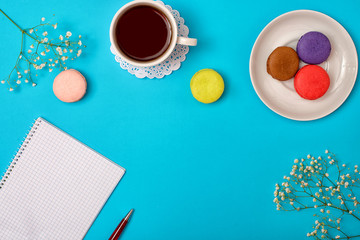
{"points": [[55, 187]]}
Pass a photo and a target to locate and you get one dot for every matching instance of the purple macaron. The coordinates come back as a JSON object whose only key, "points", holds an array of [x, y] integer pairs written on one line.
{"points": [[313, 48]]}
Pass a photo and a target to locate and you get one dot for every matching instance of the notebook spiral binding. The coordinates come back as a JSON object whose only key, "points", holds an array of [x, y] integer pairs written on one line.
{"points": [[19, 152]]}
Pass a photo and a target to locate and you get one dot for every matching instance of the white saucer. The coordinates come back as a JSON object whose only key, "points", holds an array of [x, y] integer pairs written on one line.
{"points": [[342, 65]]}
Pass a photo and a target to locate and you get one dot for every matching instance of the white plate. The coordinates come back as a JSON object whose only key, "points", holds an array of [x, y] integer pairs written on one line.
{"points": [[342, 65]]}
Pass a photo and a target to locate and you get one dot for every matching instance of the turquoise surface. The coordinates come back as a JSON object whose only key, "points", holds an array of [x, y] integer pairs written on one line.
{"points": [[194, 171]]}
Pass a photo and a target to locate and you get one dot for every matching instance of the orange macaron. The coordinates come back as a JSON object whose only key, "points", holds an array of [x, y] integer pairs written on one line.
{"points": [[311, 82]]}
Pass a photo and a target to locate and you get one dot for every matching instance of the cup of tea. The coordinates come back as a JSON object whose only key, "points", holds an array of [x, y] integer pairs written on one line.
{"points": [[144, 33]]}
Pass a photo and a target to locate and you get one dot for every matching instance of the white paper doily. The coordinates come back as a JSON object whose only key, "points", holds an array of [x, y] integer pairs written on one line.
{"points": [[172, 63]]}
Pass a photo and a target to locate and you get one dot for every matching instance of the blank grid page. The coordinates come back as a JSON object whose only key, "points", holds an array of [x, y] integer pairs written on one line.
{"points": [[56, 188]]}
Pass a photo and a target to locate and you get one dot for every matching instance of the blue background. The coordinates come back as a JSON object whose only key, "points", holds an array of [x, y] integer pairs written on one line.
{"points": [[194, 171]]}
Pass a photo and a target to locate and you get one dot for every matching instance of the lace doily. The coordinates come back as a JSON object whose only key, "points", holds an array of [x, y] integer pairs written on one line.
{"points": [[172, 63]]}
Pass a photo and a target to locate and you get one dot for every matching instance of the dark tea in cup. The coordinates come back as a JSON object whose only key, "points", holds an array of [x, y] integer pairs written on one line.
{"points": [[143, 33]]}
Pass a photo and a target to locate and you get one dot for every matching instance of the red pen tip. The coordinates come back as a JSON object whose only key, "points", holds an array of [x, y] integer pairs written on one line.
{"points": [[128, 215]]}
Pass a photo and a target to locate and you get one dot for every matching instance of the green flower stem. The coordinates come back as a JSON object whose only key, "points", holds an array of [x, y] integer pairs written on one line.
{"points": [[11, 20], [24, 31]]}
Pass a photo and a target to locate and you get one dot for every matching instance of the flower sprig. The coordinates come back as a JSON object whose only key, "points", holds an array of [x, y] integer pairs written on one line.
{"points": [[43, 52], [325, 185]]}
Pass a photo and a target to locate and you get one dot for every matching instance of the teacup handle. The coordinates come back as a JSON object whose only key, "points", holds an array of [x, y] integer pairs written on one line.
{"points": [[187, 41]]}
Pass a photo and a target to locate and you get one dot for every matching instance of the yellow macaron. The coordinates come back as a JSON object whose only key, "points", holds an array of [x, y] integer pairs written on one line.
{"points": [[207, 86]]}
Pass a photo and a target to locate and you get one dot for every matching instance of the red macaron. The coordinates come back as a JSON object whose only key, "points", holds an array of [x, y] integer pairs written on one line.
{"points": [[311, 82]]}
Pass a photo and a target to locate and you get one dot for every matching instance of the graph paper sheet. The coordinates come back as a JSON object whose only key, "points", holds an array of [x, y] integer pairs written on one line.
{"points": [[55, 187]]}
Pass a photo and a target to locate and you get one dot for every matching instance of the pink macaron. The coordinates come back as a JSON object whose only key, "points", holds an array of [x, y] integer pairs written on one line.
{"points": [[69, 86]]}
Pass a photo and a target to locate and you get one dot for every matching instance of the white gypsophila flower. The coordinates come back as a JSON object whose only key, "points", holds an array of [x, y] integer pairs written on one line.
{"points": [[45, 40], [43, 19], [68, 34], [79, 52], [31, 31], [26, 80], [11, 89], [80, 42], [42, 53], [55, 26], [326, 151], [34, 84], [29, 51], [45, 33], [18, 81], [61, 37]]}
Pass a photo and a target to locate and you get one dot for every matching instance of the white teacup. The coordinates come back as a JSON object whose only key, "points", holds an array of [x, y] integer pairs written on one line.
{"points": [[175, 39]]}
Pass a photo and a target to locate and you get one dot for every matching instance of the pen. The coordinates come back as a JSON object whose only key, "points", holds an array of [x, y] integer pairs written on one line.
{"points": [[121, 226]]}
